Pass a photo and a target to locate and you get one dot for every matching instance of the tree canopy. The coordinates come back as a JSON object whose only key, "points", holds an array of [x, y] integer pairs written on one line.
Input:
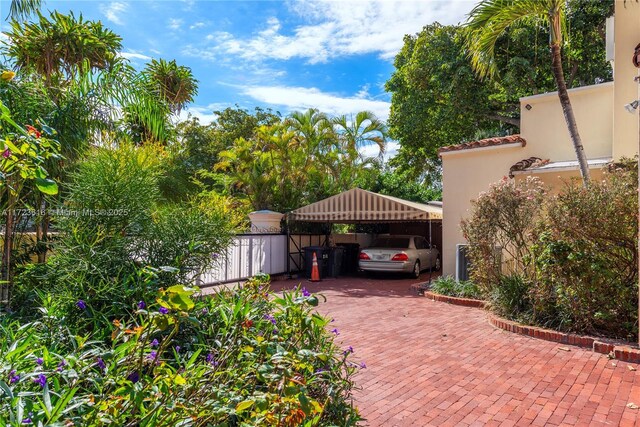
{"points": [[437, 99]]}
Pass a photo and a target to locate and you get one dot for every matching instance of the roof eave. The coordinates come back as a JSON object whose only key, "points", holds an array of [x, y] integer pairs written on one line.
{"points": [[478, 149]]}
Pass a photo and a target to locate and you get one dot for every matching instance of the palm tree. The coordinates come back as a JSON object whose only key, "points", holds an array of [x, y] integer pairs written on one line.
{"points": [[491, 18], [365, 129], [173, 83], [61, 46]]}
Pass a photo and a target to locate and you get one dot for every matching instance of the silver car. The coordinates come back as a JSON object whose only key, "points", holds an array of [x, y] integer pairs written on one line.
{"points": [[400, 254]]}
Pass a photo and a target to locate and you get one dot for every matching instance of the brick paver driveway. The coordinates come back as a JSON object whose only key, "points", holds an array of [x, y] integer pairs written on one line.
{"points": [[431, 363]]}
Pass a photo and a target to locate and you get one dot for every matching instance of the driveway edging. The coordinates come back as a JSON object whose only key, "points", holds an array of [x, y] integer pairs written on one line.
{"points": [[615, 349]]}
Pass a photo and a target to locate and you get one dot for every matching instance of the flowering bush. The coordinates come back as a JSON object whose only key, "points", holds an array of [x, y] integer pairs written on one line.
{"points": [[569, 260], [241, 357], [587, 259], [501, 229]]}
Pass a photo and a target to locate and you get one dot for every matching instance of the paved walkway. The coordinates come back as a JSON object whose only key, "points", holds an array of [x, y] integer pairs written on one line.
{"points": [[431, 363]]}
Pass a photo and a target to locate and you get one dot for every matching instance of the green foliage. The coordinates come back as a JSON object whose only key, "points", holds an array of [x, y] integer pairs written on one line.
{"points": [[172, 83], [437, 99], [586, 257], [306, 157], [111, 226], [239, 357], [396, 183], [501, 229], [568, 261], [447, 285], [511, 297], [60, 46]]}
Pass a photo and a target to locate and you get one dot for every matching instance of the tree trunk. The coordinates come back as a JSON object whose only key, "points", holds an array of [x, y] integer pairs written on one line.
{"points": [[7, 246], [568, 113]]}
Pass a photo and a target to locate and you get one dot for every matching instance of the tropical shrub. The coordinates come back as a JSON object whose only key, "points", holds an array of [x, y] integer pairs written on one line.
{"points": [[448, 285], [571, 258], [238, 358], [112, 228], [586, 257], [501, 229]]}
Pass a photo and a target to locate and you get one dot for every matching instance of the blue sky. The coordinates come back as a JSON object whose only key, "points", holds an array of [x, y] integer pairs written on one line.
{"points": [[286, 55]]}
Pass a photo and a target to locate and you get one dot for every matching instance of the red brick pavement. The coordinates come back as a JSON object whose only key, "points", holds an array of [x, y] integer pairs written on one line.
{"points": [[435, 364]]}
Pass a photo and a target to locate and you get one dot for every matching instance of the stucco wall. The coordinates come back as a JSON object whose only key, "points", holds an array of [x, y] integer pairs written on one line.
{"points": [[545, 130], [465, 174], [468, 172], [558, 180], [627, 36]]}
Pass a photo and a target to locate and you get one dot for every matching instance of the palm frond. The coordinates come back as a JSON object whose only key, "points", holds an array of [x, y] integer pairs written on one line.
{"points": [[21, 10], [491, 18]]}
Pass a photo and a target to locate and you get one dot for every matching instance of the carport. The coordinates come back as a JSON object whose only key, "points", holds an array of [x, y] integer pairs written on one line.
{"points": [[358, 206]]}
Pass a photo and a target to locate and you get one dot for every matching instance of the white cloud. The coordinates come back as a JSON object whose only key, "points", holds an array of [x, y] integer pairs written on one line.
{"points": [[197, 25], [204, 114], [372, 150], [301, 98], [341, 28], [175, 23], [114, 10], [131, 56]]}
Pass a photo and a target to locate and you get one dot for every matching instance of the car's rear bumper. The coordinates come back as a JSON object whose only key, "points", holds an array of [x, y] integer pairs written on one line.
{"points": [[389, 266]]}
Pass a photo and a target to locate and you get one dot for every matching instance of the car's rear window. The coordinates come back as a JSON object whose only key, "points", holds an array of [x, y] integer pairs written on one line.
{"points": [[391, 242]]}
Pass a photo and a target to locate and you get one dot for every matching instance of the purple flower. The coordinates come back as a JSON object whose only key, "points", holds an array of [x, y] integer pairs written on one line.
{"points": [[205, 311], [27, 421], [348, 350], [152, 356], [163, 310], [210, 359], [320, 370], [270, 318], [141, 305], [134, 377], [178, 348], [81, 305], [100, 363], [305, 292], [42, 380], [7, 153], [216, 256], [39, 361], [154, 343], [335, 331], [13, 377], [61, 365], [363, 365]]}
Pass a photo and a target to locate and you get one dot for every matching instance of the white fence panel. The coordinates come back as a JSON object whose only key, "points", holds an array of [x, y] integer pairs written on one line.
{"points": [[248, 255]]}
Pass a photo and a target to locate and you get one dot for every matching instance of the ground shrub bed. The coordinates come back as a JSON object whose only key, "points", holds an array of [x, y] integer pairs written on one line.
{"points": [[567, 260], [238, 358], [460, 289], [108, 331]]}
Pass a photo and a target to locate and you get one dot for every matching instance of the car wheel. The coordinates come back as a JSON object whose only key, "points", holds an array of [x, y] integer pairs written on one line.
{"points": [[437, 266], [416, 270]]}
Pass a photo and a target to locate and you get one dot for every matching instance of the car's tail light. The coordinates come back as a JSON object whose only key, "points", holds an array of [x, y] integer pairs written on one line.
{"points": [[363, 255], [400, 257]]}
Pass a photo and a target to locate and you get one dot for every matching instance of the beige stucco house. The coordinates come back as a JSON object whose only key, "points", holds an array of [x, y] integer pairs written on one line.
{"points": [[607, 129]]}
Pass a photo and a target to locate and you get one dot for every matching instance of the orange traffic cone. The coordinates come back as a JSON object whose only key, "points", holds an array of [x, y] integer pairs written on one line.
{"points": [[315, 273]]}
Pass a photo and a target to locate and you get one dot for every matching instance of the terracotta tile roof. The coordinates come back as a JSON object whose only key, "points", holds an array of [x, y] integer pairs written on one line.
{"points": [[489, 142]]}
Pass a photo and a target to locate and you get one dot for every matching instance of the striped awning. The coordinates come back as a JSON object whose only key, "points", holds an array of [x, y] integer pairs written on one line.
{"points": [[357, 205]]}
